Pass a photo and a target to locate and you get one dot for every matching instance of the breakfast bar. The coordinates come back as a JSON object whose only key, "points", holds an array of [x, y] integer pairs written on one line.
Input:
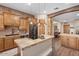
{"points": [[37, 47]]}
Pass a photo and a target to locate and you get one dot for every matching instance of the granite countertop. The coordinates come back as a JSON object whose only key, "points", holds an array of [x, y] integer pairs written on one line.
{"points": [[11, 36], [27, 42], [2, 36], [73, 35]]}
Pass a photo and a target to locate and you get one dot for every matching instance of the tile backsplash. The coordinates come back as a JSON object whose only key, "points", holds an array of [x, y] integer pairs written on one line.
{"points": [[8, 31]]}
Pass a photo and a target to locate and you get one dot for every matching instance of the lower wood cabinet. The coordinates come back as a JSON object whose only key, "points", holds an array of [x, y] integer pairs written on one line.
{"points": [[8, 43], [72, 42], [64, 41], [77, 43], [1, 44], [14, 44]]}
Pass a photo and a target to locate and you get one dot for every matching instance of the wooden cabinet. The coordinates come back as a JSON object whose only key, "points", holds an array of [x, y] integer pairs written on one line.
{"points": [[1, 44], [72, 42], [64, 41], [24, 25], [11, 19], [14, 44], [77, 43], [66, 28], [41, 27], [34, 21], [7, 19], [1, 23], [14, 38], [8, 43], [50, 25], [15, 19]]}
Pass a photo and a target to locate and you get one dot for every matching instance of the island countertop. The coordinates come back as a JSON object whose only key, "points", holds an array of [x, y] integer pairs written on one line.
{"points": [[27, 42]]}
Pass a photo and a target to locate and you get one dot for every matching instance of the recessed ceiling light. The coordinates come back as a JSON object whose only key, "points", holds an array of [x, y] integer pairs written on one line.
{"points": [[31, 23], [44, 11], [67, 3], [77, 14], [29, 4]]}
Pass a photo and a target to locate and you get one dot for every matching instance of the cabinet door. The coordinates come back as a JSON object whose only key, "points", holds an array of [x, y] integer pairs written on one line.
{"points": [[66, 28], [24, 25], [77, 43], [41, 29], [34, 21], [14, 44], [64, 41], [9, 43], [41, 26], [1, 23], [7, 19], [15, 20], [27, 26], [1, 44], [72, 42]]}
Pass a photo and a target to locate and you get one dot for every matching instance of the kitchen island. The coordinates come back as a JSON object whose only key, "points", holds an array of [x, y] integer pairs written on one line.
{"points": [[37, 47]]}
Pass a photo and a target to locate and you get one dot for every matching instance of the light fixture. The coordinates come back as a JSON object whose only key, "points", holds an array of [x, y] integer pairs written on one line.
{"points": [[77, 14], [38, 23], [31, 23], [67, 3], [29, 4], [65, 21], [44, 11], [56, 8]]}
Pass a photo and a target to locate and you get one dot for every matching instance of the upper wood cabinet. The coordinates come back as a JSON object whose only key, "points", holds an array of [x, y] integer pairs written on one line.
{"points": [[50, 25], [66, 28], [7, 19], [41, 27], [24, 24], [1, 23], [34, 21], [11, 19], [42, 21], [16, 20]]}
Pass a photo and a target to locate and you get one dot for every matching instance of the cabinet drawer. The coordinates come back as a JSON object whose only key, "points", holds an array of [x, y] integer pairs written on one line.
{"points": [[1, 44]]}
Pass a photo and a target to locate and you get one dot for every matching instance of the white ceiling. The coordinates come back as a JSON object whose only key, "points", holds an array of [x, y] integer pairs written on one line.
{"points": [[67, 17], [39, 8]]}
